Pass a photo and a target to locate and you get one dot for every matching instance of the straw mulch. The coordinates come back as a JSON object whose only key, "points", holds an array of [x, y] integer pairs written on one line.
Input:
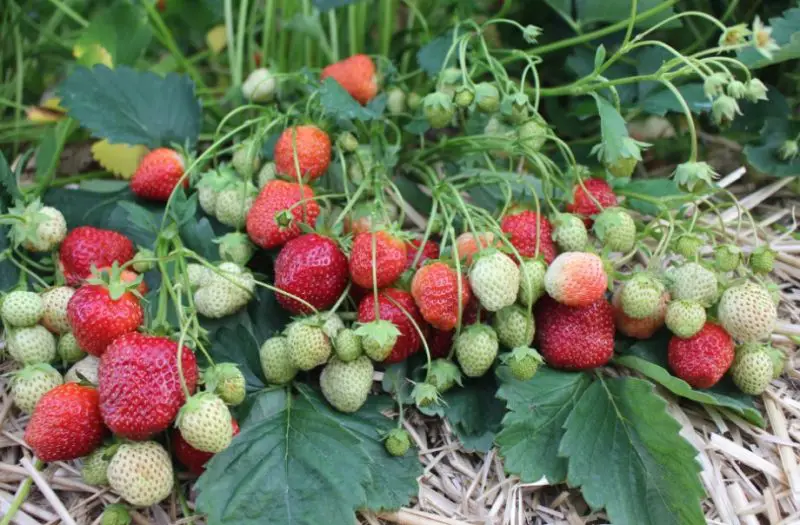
{"points": [[751, 475]]}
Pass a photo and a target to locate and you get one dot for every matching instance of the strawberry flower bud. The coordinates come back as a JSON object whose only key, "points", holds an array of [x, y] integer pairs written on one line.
{"points": [[737, 89], [714, 84], [690, 174], [788, 150], [724, 109], [756, 90]]}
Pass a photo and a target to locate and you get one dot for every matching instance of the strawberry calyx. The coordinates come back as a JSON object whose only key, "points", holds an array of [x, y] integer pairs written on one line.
{"points": [[193, 404], [112, 279], [383, 332]]}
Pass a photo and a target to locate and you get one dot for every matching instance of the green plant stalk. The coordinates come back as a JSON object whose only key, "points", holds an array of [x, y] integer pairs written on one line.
{"points": [[333, 29], [20, 76], [67, 10], [22, 495], [352, 27], [388, 9], [242, 31], [266, 30]]}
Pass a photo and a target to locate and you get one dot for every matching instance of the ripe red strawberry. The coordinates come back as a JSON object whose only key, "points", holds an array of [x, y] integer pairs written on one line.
{"points": [[97, 318], [440, 341], [390, 259], [435, 291], [140, 386], [701, 360], [194, 460], [313, 148], [574, 338], [66, 423], [583, 205], [429, 251], [524, 227], [409, 341], [313, 268], [269, 221], [356, 74], [86, 246], [157, 175]]}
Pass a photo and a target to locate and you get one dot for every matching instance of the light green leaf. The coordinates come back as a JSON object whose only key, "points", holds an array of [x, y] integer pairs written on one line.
{"points": [[626, 455], [339, 104], [637, 191], [786, 32], [122, 29], [533, 427], [295, 466], [126, 106], [649, 357], [48, 153]]}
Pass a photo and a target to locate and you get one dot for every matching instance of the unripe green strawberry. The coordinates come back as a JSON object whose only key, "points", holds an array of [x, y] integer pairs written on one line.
{"points": [[777, 356], [233, 203], [31, 383], [207, 197], [685, 318], [378, 338], [205, 423], [464, 96], [42, 228], [83, 370], [346, 385], [570, 232], [688, 244], [476, 348], [396, 101], [347, 345], [515, 108], [199, 275], [309, 347], [746, 311], [54, 315], [531, 281], [143, 260], [68, 349], [523, 362], [727, 257], [247, 158], [752, 372], [226, 381], [22, 308], [615, 230], [532, 134], [141, 473], [236, 248], [275, 363], [514, 326], [332, 324], [116, 514], [438, 109], [414, 101], [267, 173], [641, 296], [622, 167], [31, 345], [397, 442], [224, 293], [495, 280], [762, 260], [692, 282], [487, 97], [95, 467], [443, 375]]}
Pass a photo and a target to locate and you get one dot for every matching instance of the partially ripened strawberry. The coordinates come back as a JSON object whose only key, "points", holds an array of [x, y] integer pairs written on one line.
{"points": [[277, 211], [356, 74], [574, 338], [584, 206], [435, 288], [576, 279], [391, 305], [468, 244], [140, 385], [194, 460], [158, 173], [313, 268], [66, 423], [524, 228], [86, 246], [313, 153], [430, 250], [389, 258], [642, 328], [701, 360], [99, 314]]}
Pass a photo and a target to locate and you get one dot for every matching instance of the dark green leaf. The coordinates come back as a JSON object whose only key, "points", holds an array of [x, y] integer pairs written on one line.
{"points": [[417, 125], [132, 107], [294, 466], [660, 189], [764, 156], [48, 154], [432, 55], [582, 62], [592, 11], [649, 357], [786, 32], [9, 273], [104, 185], [661, 101], [474, 412], [339, 104], [8, 183], [626, 455], [533, 427]]}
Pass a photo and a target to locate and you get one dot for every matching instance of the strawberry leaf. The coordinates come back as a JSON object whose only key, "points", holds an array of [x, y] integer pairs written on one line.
{"points": [[533, 427], [339, 104], [786, 32], [624, 451], [474, 412], [432, 55], [122, 29], [125, 106]]}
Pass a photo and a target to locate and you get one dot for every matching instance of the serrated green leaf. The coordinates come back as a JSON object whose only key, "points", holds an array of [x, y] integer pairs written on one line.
{"points": [[612, 128], [9, 273], [786, 32], [649, 357], [591, 11], [660, 101], [48, 153], [295, 466], [533, 427], [126, 106], [474, 412], [764, 156], [581, 62], [624, 452], [339, 104], [8, 183], [662, 189], [432, 55], [122, 29]]}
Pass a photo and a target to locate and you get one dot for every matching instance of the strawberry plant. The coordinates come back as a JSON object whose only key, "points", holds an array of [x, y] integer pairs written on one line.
{"points": [[303, 237]]}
